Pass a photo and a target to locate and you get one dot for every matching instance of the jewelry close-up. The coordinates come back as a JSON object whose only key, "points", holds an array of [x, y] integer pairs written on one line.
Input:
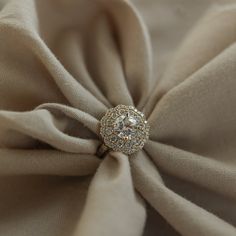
{"points": [[124, 129]]}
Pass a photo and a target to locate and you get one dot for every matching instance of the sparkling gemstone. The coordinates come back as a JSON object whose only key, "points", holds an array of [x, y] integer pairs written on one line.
{"points": [[124, 125], [124, 129]]}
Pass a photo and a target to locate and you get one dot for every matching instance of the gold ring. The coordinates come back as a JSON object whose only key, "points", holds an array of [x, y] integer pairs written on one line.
{"points": [[102, 150], [124, 129]]}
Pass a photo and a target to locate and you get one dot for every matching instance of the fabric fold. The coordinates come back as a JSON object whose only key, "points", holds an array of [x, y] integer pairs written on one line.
{"points": [[134, 44], [186, 217], [15, 162], [197, 115], [201, 170], [23, 128], [31, 40], [197, 49], [112, 200]]}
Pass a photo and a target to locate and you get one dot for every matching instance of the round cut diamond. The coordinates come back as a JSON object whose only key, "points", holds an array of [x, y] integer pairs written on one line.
{"points": [[124, 125], [124, 129]]}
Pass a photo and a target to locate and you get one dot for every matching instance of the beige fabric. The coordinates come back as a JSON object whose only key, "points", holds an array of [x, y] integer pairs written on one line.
{"points": [[63, 64]]}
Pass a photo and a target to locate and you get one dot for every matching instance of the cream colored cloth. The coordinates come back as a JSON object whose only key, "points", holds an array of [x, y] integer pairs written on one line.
{"points": [[63, 64]]}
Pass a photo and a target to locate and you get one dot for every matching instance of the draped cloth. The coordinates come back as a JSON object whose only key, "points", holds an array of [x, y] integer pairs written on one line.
{"points": [[63, 64]]}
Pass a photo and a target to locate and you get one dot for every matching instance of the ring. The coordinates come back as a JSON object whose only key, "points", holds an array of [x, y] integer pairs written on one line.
{"points": [[124, 129], [102, 150]]}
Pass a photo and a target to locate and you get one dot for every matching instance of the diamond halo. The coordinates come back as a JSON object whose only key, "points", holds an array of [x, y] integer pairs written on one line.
{"points": [[125, 129]]}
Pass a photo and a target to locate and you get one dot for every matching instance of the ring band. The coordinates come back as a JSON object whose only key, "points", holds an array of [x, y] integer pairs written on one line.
{"points": [[102, 151]]}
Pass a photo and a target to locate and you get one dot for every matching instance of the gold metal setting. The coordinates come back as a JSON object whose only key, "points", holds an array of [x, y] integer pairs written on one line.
{"points": [[125, 129]]}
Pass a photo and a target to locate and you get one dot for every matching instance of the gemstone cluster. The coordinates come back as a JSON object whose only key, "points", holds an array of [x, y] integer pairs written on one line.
{"points": [[125, 129]]}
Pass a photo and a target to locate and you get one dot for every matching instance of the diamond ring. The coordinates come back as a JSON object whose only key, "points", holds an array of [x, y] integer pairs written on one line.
{"points": [[124, 129]]}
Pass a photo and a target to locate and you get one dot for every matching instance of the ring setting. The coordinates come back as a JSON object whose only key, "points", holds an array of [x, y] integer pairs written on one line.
{"points": [[124, 129]]}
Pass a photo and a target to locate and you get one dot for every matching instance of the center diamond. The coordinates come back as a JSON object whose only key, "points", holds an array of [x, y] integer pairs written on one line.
{"points": [[124, 125]]}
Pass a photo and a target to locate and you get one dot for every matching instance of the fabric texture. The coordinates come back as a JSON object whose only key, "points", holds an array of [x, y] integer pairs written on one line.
{"points": [[63, 64]]}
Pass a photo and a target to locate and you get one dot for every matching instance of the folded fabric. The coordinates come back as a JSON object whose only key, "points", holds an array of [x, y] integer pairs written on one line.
{"points": [[63, 64]]}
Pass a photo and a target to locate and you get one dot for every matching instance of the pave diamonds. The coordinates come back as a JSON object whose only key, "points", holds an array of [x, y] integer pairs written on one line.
{"points": [[124, 129]]}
